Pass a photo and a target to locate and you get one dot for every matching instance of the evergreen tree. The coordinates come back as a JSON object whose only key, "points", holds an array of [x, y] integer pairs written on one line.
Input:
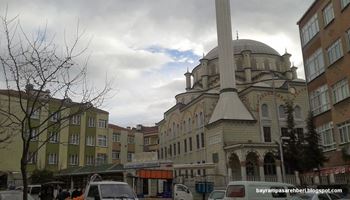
{"points": [[312, 152], [292, 150]]}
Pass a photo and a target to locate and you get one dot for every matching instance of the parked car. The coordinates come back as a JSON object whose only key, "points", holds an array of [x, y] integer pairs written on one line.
{"points": [[248, 190], [34, 191], [13, 195], [312, 196], [182, 192], [217, 195], [102, 190]]}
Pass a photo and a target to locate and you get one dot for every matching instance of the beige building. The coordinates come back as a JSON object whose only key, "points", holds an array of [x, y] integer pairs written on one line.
{"points": [[325, 40], [124, 143], [241, 149]]}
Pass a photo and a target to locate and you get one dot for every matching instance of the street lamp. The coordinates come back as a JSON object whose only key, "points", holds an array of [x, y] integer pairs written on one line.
{"points": [[280, 144]]}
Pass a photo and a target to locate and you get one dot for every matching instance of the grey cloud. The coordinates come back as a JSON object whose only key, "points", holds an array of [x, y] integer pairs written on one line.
{"points": [[122, 28]]}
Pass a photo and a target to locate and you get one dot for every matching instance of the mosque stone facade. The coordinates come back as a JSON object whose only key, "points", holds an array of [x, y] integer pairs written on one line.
{"points": [[228, 149]]}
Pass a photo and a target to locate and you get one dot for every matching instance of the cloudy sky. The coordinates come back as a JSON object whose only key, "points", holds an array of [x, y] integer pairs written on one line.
{"points": [[145, 46]]}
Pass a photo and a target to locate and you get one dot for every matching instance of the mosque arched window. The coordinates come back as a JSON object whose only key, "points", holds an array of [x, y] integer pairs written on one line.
{"points": [[282, 112], [297, 112], [264, 111]]}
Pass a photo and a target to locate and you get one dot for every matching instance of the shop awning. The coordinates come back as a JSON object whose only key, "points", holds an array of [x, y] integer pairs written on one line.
{"points": [[155, 174]]}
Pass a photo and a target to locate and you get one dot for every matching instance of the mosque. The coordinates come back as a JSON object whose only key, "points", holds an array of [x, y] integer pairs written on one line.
{"points": [[229, 122]]}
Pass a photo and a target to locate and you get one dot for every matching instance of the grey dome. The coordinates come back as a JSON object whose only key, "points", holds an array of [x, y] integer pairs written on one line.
{"points": [[244, 44]]}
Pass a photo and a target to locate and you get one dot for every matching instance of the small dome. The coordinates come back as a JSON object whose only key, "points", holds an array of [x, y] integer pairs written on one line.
{"points": [[243, 45]]}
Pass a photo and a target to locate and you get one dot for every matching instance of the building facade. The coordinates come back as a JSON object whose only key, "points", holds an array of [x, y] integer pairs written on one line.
{"points": [[86, 140], [150, 137], [124, 143], [242, 149], [325, 40]]}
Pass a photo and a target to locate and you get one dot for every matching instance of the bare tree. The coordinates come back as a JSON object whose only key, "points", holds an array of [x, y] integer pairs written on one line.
{"points": [[41, 79]]}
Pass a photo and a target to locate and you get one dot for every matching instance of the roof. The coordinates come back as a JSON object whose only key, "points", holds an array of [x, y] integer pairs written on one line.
{"points": [[113, 126], [100, 169], [240, 45], [307, 11], [16, 93], [107, 182], [149, 129]]}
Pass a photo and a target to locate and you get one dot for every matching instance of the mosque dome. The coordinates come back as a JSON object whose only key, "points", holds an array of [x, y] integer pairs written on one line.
{"points": [[240, 45]]}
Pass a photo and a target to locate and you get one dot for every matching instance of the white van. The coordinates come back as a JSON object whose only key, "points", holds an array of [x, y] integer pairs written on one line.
{"points": [[241, 190], [34, 190], [182, 192]]}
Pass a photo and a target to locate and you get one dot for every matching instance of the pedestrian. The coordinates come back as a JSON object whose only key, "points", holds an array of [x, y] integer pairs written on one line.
{"points": [[76, 193]]}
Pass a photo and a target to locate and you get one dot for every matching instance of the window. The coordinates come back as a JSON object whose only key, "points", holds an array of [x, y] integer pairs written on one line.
{"points": [[131, 140], [52, 158], [297, 112], [264, 111], [184, 127], [328, 14], [202, 140], [130, 155], [89, 160], [284, 132], [161, 153], [348, 38], [75, 120], [91, 122], [93, 192], [314, 65], [34, 114], [170, 150], [197, 140], [54, 117], [53, 137], [34, 135], [101, 159], [282, 112], [73, 159], [185, 145], [335, 51], [32, 157], [326, 134], [178, 148], [267, 134], [215, 157], [102, 140], [102, 123], [340, 90], [300, 133], [90, 141], [190, 141], [166, 152], [174, 149], [201, 119], [344, 132], [309, 30], [146, 141], [319, 100], [115, 155], [344, 3], [74, 139], [116, 137]]}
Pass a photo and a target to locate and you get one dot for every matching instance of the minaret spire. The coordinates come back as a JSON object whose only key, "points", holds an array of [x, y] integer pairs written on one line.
{"points": [[229, 106]]}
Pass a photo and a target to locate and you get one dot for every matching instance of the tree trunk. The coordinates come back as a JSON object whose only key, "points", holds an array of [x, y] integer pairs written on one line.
{"points": [[24, 172]]}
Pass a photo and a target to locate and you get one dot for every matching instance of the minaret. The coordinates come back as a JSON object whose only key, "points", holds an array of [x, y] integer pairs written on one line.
{"points": [[229, 105], [188, 80]]}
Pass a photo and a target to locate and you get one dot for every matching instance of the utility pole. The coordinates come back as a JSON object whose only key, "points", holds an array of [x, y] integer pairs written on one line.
{"points": [[278, 128]]}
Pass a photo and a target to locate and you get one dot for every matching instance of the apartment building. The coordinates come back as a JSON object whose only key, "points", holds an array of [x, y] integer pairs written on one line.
{"points": [[325, 40], [124, 144]]}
